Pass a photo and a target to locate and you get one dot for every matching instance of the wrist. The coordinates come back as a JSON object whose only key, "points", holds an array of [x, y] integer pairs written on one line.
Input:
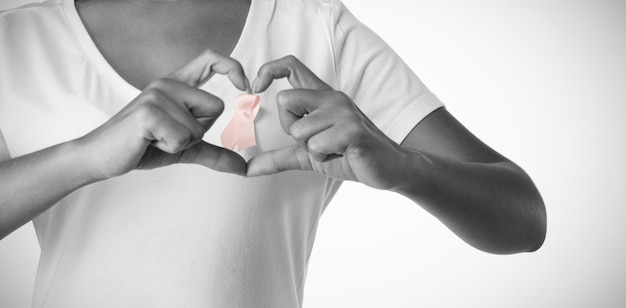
{"points": [[82, 163], [412, 171]]}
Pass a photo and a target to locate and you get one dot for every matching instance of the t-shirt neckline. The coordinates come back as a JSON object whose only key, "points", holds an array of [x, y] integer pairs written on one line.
{"points": [[242, 48]]}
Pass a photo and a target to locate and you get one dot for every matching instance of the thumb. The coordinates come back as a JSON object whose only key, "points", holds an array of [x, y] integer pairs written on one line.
{"points": [[214, 157], [294, 157]]}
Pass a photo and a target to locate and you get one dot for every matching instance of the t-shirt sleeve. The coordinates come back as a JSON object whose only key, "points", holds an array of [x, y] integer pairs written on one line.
{"points": [[4, 150], [377, 80]]}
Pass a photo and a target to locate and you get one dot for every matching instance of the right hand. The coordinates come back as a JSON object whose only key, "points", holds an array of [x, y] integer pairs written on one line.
{"points": [[166, 122]]}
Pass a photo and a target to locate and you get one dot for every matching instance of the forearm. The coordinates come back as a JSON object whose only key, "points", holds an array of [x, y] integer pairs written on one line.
{"points": [[494, 207], [31, 184]]}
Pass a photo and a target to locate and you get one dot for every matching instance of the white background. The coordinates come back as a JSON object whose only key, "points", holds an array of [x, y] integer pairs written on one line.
{"points": [[544, 83]]}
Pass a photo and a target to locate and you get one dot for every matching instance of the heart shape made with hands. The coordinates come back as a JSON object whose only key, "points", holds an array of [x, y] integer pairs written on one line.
{"points": [[166, 122], [331, 135]]}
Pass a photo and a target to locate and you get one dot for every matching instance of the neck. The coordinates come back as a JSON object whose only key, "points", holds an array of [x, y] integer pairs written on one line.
{"points": [[158, 3]]}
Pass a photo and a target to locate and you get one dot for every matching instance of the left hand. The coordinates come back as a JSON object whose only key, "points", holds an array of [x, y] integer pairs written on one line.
{"points": [[333, 136]]}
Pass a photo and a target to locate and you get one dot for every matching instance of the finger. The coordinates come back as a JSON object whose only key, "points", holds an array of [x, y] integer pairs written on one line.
{"points": [[298, 75], [306, 127], [301, 101], [293, 157], [199, 70], [295, 103], [326, 145], [167, 134], [155, 98], [214, 157], [205, 107]]}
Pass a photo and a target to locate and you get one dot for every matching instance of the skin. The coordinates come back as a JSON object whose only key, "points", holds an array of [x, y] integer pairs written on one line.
{"points": [[486, 199]]}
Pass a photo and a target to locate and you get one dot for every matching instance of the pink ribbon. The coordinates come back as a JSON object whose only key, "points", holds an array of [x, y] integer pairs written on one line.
{"points": [[240, 130]]}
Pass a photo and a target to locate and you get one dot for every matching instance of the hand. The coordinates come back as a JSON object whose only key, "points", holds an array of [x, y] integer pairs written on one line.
{"points": [[166, 122], [333, 137]]}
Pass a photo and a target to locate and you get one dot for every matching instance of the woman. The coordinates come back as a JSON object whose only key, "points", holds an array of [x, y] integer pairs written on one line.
{"points": [[238, 233]]}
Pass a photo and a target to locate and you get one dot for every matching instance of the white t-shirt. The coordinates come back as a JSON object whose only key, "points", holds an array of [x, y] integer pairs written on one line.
{"points": [[185, 235]]}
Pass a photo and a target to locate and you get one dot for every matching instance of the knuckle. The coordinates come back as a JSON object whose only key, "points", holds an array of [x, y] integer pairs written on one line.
{"points": [[216, 106], [315, 146], [151, 95], [197, 132], [181, 141], [158, 83], [291, 60], [230, 61], [297, 132], [264, 70], [282, 99], [318, 157], [340, 97], [175, 146], [237, 66], [209, 53], [145, 114], [234, 67]]}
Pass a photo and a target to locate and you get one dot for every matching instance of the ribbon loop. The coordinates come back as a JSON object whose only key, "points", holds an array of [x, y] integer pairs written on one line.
{"points": [[240, 130]]}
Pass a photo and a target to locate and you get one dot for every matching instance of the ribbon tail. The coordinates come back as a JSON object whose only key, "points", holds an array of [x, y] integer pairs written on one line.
{"points": [[229, 135], [245, 134]]}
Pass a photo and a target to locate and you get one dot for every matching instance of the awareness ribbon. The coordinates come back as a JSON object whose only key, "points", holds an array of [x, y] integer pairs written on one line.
{"points": [[240, 130]]}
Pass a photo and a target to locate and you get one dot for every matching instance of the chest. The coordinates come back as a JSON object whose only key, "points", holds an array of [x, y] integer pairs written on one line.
{"points": [[144, 43]]}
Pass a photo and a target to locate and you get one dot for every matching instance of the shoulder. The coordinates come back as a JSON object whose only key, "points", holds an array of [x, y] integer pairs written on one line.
{"points": [[29, 10], [24, 19], [329, 16], [324, 9], [36, 23], [310, 4]]}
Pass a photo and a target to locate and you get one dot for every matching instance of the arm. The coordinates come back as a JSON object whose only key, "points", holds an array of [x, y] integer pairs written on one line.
{"points": [[484, 198], [162, 126], [32, 183]]}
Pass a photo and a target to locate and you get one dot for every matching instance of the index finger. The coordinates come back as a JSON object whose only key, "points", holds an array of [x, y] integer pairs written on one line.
{"points": [[298, 75], [199, 70]]}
